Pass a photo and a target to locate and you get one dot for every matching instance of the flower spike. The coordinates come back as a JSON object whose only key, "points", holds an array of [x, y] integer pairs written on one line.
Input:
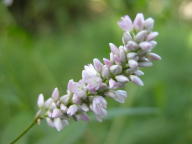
{"points": [[103, 80]]}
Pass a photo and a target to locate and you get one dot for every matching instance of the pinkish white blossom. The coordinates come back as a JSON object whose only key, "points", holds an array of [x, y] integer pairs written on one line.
{"points": [[103, 80], [125, 23]]}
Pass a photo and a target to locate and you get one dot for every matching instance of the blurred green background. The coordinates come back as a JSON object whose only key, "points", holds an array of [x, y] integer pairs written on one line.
{"points": [[45, 43]]}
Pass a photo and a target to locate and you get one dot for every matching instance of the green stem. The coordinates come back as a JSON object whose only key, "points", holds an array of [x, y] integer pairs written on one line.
{"points": [[25, 131]]}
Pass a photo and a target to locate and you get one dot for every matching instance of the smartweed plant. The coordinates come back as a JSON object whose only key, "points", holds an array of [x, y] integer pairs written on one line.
{"points": [[102, 80]]}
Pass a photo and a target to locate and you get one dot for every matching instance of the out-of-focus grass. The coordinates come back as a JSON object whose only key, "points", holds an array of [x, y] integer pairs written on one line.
{"points": [[31, 65]]}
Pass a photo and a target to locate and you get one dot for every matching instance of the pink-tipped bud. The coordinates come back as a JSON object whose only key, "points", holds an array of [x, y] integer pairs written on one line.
{"points": [[139, 73], [121, 78], [56, 113], [146, 46], [126, 37], [139, 21], [136, 80], [131, 55], [111, 57], [116, 69], [152, 36], [71, 85], [105, 72], [97, 65], [125, 23], [149, 23], [133, 63], [131, 45], [153, 56], [145, 64], [113, 84], [55, 94], [72, 110], [141, 35], [114, 48], [122, 54], [107, 62]]}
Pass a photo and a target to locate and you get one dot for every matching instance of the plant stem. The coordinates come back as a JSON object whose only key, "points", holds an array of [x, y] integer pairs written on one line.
{"points": [[25, 130]]}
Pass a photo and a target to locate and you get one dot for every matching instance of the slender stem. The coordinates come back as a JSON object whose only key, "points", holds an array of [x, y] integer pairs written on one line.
{"points": [[25, 130]]}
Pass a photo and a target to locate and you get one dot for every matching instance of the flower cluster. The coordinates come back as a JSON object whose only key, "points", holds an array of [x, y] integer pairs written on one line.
{"points": [[104, 79]]}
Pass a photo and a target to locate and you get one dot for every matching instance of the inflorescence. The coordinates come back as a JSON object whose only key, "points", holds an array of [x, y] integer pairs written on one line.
{"points": [[102, 80]]}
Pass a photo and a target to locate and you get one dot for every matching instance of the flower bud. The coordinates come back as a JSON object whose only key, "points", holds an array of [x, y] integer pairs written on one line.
{"points": [[139, 21], [136, 80], [122, 54], [105, 72], [131, 45], [72, 110], [84, 107], [99, 106], [125, 23], [141, 35], [113, 84], [131, 55], [63, 108], [118, 95], [58, 124], [152, 36], [111, 57], [116, 69], [145, 64], [82, 116], [40, 101], [107, 62], [153, 56], [55, 94], [71, 85], [149, 23], [56, 113], [139, 73], [126, 37], [146, 46], [97, 65], [153, 43], [65, 99], [76, 99], [113, 48], [121, 78], [117, 59], [133, 63]]}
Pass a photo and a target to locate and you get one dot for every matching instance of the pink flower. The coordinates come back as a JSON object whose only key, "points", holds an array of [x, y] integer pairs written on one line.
{"points": [[99, 106], [72, 110], [92, 78], [139, 22], [125, 23]]}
